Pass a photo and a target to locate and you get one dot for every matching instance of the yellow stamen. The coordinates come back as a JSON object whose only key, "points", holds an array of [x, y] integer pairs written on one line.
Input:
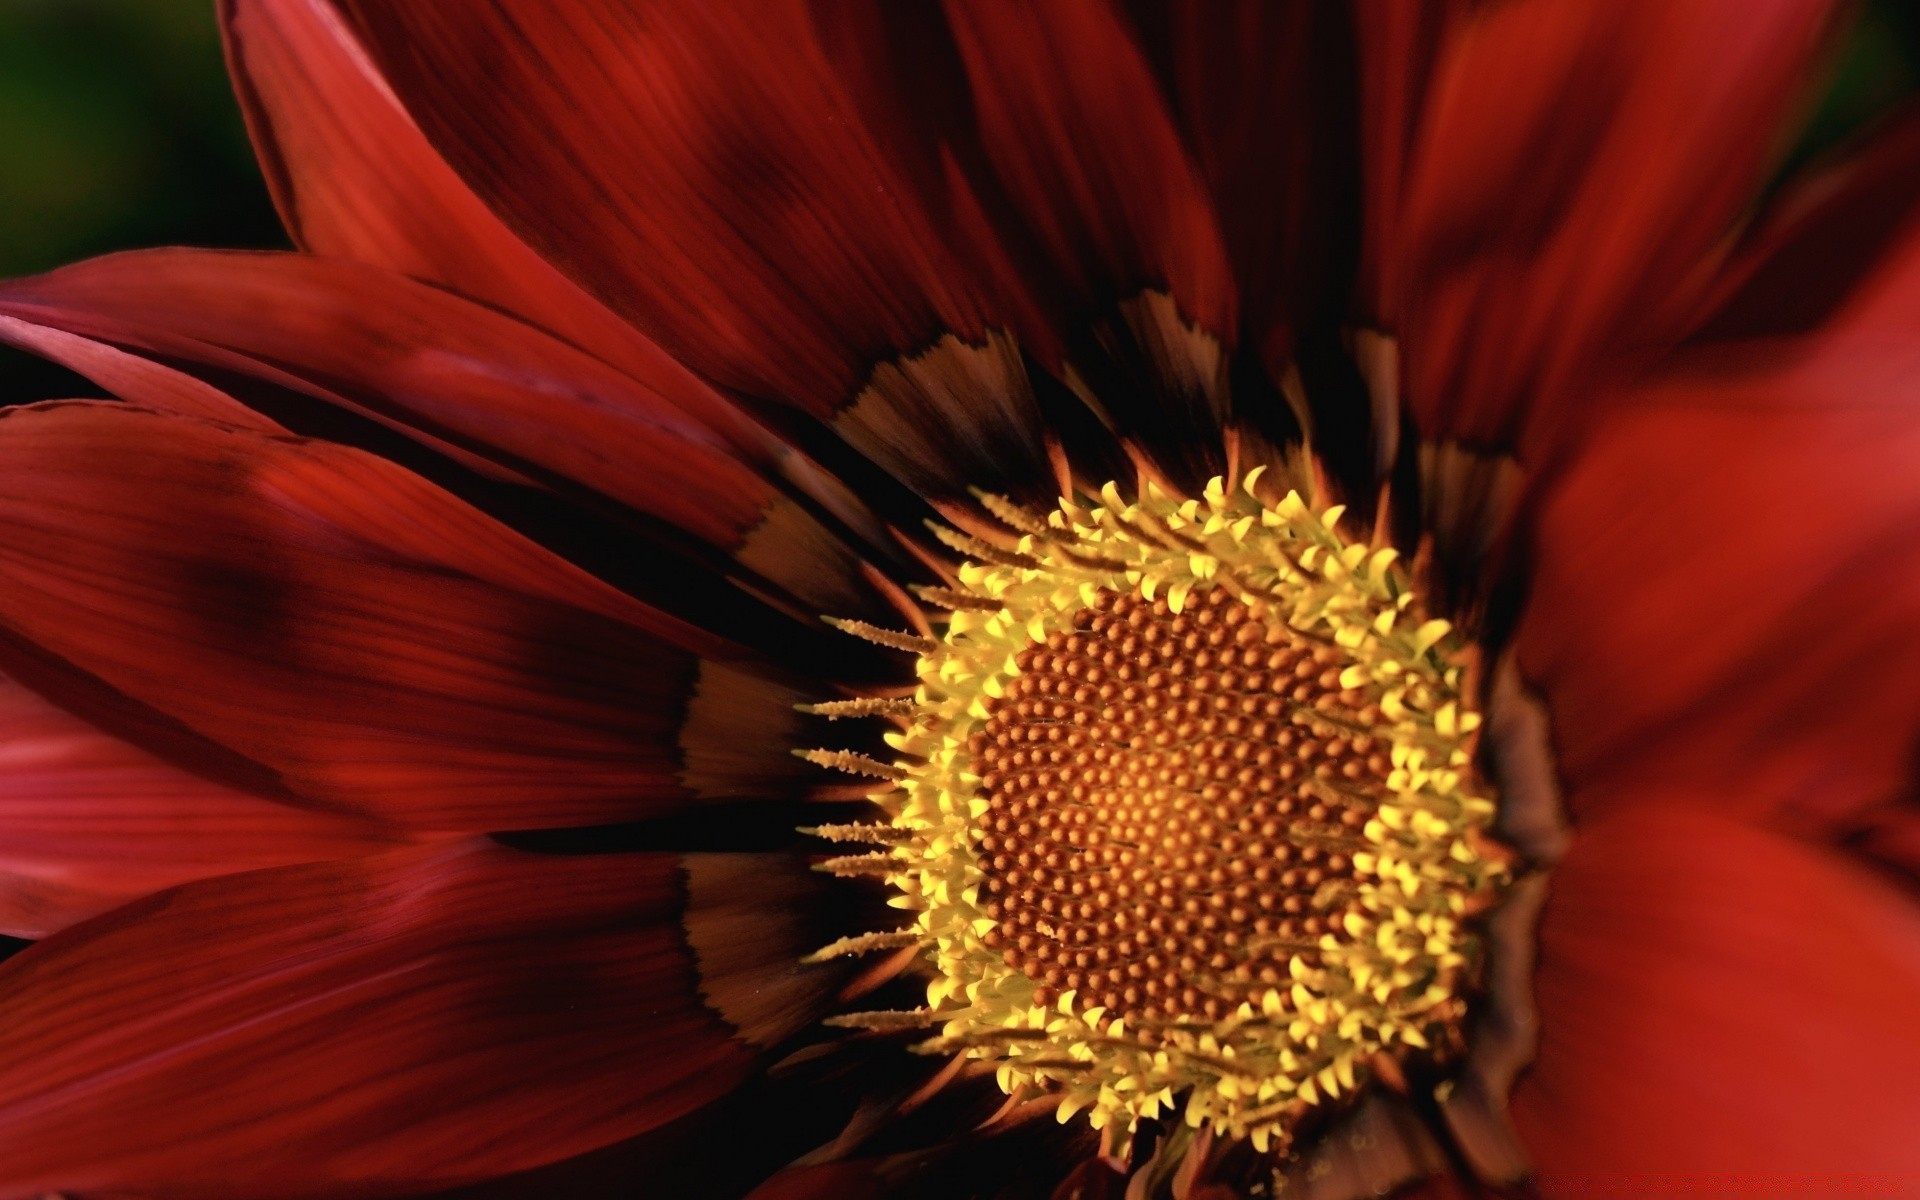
{"points": [[1187, 806]]}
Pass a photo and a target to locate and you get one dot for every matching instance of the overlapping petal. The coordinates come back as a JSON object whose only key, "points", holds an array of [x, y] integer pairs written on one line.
{"points": [[1397, 45], [1264, 96], [1723, 582], [376, 643], [354, 177], [129, 376], [88, 822], [1071, 120], [424, 360], [723, 194], [369, 1027], [1576, 174], [1128, 293], [1718, 1000]]}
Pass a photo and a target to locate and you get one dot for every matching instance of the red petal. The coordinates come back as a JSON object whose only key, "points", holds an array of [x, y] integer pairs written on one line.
{"points": [[1576, 171], [355, 178], [126, 375], [423, 360], [1073, 122], [1724, 593], [88, 822], [850, 1179], [697, 166], [1830, 229], [325, 613], [365, 1027], [1715, 999], [1263, 95], [1098, 183], [1398, 43]]}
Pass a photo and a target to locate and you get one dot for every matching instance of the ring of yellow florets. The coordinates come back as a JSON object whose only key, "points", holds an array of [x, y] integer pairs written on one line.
{"points": [[1387, 982]]}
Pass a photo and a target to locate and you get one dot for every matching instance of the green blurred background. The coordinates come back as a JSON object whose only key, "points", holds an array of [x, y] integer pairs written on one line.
{"points": [[117, 130]]}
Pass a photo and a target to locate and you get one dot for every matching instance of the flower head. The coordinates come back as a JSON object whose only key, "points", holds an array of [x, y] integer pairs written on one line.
{"points": [[1368, 621]]}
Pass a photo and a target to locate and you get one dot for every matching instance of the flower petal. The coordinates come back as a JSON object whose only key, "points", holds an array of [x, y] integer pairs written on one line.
{"points": [[1398, 42], [1830, 230], [1072, 119], [454, 374], [355, 178], [328, 615], [1575, 174], [423, 360], [128, 376], [696, 165], [1715, 998], [1125, 237], [423, 1018], [1263, 95], [88, 822], [1724, 594], [703, 169]]}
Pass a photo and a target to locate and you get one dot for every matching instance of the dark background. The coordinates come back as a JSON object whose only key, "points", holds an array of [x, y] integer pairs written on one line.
{"points": [[118, 130]]}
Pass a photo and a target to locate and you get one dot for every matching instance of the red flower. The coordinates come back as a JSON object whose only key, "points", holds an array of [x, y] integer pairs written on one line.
{"points": [[401, 674]]}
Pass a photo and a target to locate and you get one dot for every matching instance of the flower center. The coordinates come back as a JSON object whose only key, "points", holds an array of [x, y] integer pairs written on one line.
{"points": [[1163, 835], [1186, 812]]}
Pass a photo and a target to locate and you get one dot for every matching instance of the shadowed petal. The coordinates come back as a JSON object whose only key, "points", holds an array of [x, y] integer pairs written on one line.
{"points": [[88, 822], [422, 360], [730, 198], [1725, 593], [1264, 94], [1126, 244], [1717, 999], [324, 613], [354, 177], [488, 390], [1074, 124], [1574, 178], [1831, 230], [371, 1027], [1397, 44], [128, 376], [696, 165]]}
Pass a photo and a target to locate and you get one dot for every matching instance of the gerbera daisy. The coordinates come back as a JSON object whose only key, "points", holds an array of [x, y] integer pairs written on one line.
{"points": [[1368, 606]]}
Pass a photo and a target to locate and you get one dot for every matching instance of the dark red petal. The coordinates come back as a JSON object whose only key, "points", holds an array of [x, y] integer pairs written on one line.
{"points": [[1263, 95], [1715, 998], [88, 822], [850, 1179], [126, 375], [367, 1027], [463, 378], [1126, 290], [1724, 591], [1076, 129], [355, 178], [1398, 42], [1102, 1177], [424, 360], [1829, 230], [375, 641], [1577, 171], [696, 165]]}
